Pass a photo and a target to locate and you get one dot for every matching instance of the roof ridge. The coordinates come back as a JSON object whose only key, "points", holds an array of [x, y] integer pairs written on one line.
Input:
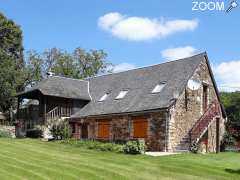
{"points": [[69, 78], [200, 54]]}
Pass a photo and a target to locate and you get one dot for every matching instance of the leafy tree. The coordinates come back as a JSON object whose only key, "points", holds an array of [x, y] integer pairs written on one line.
{"points": [[79, 64], [90, 63], [34, 68], [231, 102], [11, 62]]}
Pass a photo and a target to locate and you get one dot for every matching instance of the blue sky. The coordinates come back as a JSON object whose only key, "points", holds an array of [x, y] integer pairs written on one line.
{"points": [[133, 33]]}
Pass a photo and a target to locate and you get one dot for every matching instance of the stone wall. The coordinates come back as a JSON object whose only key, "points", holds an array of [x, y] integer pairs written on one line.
{"points": [[9, 129], [121, 129], [188, 109]]}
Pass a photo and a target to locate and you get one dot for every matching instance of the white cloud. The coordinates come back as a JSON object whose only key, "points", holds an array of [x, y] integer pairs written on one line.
{"points": [[228, 75], [123, 67], [178, 53], [142, 28]]}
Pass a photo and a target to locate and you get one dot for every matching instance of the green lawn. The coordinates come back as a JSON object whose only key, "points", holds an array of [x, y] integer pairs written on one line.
{"points": [[33, 159]]}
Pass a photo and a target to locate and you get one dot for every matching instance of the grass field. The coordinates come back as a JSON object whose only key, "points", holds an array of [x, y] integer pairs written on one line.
{"points": [[33, 159]]}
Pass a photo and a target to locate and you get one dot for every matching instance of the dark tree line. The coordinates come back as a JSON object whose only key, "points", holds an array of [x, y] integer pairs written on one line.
{"points": [[231, 102]]}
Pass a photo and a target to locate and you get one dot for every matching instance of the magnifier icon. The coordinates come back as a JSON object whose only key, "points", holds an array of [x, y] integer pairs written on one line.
{"points": [[233, 4]]}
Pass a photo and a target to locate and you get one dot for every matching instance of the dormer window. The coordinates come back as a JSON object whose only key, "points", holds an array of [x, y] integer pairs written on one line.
{"points": [[158, 88], [122, 94], [103, 98]]}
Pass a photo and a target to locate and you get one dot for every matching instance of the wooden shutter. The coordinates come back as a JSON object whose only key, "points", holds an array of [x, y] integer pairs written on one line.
{"points": [[103, 129], [140, 127]]}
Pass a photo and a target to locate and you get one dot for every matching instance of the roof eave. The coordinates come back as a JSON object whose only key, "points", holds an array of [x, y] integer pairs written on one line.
{"points": [[121, 114]]}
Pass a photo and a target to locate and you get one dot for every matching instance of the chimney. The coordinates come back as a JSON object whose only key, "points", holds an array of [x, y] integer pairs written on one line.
{"points": [[50, 74]]}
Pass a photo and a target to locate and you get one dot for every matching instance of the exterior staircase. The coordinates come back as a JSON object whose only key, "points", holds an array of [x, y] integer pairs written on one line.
{"points": [[54, 117], [183, 145], [201, 126], [58, 113]]}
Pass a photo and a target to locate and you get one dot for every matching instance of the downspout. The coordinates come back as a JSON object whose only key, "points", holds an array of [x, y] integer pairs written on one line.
{"points": [[89, 90]]}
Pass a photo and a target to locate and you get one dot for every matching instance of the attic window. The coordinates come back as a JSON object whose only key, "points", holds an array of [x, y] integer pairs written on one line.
{"points": [[122, 94], [103, 98], [158, 88]]}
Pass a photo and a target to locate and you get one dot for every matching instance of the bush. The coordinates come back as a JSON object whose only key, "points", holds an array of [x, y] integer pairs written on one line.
{"points": [[194, 148], [5, 134], [229, 142], [61, 131], [34, 133], [134, 147], [95, 145]]}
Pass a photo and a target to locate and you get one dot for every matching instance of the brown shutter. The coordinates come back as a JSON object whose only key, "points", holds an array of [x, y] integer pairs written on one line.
{"points": [[104, 129], [140, 127]]}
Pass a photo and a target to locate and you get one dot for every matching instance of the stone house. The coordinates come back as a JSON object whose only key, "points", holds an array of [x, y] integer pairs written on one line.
{"points": [[170, 106]]}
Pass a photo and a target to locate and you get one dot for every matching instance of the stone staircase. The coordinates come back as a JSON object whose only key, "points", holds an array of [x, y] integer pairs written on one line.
{"points": [[183, 145]]}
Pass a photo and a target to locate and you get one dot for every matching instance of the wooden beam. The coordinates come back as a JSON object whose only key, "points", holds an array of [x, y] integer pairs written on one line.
{"points": [[217, 135], [18, 107], [44, 109]]}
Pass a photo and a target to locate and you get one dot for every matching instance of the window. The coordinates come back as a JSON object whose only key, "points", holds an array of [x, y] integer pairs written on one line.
{"points": [[104, 97], [122, 94], [140, 126], [103, 129], [158, 88]]}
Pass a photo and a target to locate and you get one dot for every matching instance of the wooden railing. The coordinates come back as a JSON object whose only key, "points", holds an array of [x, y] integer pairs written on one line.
{"points": [[58, 112], [202, 124]]}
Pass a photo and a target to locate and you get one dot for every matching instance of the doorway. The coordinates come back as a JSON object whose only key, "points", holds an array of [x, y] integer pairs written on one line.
{"points": [[84, 134], [205, 97]]}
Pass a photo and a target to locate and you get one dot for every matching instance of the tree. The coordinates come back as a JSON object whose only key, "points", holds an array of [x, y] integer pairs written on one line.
{"points": [[79, 64], [90, 63], [34, 68], [11, 62], [231, 102]]}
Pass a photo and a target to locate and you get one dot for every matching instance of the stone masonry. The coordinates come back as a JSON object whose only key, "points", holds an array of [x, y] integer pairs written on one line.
{"points": [[188, 109], [121, 129]]}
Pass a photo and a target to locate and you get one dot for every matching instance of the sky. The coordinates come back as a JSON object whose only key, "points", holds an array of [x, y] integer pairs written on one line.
{"points": [[135, 33]]}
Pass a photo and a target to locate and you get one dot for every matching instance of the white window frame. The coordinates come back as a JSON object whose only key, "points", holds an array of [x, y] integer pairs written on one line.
{"points": [[122, 94], [104, 97], [158, 88]]}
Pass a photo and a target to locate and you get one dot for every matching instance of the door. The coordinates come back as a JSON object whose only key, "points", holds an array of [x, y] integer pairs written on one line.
{"points": [[205, 97], [84, 129]]}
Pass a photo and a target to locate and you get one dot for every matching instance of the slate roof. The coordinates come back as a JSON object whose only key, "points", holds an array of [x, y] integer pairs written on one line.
{"points": [[139, 83], [61, 87]]}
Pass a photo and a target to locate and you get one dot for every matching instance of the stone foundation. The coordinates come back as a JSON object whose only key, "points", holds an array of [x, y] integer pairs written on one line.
{"points": [[9, 129]]}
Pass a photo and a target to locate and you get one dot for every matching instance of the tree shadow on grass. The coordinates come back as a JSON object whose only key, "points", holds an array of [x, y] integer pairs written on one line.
{"points": [[233, 171]]}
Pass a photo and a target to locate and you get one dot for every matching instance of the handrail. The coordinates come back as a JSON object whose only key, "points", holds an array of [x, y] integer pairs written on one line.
{"points": [[203, 122], [58, 112]]}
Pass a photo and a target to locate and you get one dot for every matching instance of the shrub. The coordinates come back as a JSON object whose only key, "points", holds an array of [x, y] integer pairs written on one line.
{"points": [[5, 134], [95, 145], [134, 147], [194, 148], [61, 131], [229, 142]]}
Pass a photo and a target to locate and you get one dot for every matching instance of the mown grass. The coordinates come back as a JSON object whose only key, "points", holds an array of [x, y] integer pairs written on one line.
{"points": [[33, 159]]}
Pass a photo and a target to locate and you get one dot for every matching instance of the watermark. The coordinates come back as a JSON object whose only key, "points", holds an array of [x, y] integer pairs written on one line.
{"points": [[214, 6]]}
